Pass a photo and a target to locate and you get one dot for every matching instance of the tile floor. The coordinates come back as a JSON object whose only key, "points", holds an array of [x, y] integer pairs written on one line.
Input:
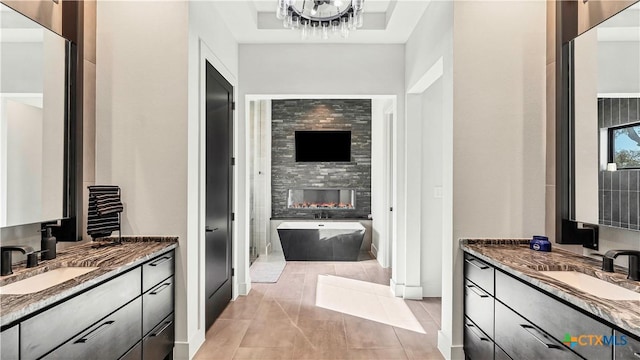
{"points": [[281, 321]]}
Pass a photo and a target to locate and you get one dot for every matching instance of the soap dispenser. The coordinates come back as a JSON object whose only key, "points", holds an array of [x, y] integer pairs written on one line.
{"points": [[47, 244]]}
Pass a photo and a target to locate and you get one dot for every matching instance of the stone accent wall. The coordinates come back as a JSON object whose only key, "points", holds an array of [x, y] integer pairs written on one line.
{"points": [[288, 116]]}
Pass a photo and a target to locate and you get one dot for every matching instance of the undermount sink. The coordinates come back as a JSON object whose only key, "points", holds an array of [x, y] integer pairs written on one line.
{"points": [[45, 280], [593, 285]]}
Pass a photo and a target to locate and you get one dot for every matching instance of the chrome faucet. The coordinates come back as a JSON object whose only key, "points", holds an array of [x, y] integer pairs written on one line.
{"points": [[634, 259], [6, 251]]}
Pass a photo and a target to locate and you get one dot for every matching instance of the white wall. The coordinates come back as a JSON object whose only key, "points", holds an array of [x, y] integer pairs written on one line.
{"points": [[586, 127], [429, 76], [618, 70], [141, 127], [493, 149], [499, 93], [208, 39]]}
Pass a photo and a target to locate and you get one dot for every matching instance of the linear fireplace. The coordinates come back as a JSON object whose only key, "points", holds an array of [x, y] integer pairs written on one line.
{"points": [[322, 199]]}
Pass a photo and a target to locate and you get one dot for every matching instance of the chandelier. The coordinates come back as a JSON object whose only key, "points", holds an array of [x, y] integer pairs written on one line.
{"points": [[318, 18]]}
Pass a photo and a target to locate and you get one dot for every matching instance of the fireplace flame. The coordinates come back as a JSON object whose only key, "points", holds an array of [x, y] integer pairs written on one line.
{"points": [[321, 205]]}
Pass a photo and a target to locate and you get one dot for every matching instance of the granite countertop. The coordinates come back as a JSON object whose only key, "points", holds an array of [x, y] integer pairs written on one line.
{"points": [[110, 261], [514, 257]]}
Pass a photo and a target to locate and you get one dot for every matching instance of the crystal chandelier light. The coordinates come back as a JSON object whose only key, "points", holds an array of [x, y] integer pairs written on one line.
{"points": [[318, 18]]}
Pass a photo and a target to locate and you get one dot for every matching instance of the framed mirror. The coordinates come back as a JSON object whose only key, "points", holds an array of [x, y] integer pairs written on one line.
{"points": [[33, 120], [606, 122]]}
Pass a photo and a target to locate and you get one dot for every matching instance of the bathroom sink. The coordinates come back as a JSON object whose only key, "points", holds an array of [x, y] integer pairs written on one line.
{"points": [[593, 285], [45, 280]]}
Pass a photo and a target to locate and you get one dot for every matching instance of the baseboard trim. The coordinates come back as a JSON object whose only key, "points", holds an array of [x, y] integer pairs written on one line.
{"points": [[412, 292], [448, 351], [374, 251], [187, 350], [244, 288], [396, 289]]}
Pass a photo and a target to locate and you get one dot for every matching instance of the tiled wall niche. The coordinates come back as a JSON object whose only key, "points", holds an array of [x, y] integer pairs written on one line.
{"points": [[287, 116], [619, 191]]}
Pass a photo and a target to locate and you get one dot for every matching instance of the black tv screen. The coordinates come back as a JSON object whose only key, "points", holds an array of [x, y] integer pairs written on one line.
{"points": [[323, 145]]}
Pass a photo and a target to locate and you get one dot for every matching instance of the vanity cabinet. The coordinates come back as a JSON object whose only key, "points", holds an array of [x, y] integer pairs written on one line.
{"points": [[479, 309], [630, 350], [9, 340], [507, 318], [130, 316]]}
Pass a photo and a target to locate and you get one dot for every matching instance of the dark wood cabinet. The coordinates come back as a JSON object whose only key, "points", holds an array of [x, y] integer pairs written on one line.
{"points": [[507, 318], [626, 347], [477, 344], [129, 317], [45, 331], [555, 317], [157, 304], [135, 353], [157, 345], [108, 339], [479, 272], [522, 340], [478, 306], [9, 343]]}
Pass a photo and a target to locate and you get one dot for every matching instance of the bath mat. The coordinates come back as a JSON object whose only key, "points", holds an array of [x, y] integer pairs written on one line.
{"points": [[267, 268]]}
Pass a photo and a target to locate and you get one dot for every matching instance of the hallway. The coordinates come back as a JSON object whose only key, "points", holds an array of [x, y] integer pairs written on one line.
{"points": [[281, 321]]}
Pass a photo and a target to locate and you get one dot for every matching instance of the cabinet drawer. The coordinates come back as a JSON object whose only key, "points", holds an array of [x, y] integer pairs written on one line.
{"points": [[549, 314], [44, 332], [500, 354], [479, 272], [477, 345], [157, 270], [157, 304], [630, 351], [522, 340], [478, 306], [134, 354], [108, 339], [159, 343], [9, 343]]}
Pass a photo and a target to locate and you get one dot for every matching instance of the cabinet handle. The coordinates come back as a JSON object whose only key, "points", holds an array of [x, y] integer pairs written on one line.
{"points": [[208, 229], [477, 292], [471, 262], [163, 328], [470, 326], [530, 329], [159, 288], [93, 333], [162, 260]]}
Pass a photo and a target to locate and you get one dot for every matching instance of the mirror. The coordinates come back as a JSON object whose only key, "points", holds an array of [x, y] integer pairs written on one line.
{"points": [[607, 122], [33, 98]]}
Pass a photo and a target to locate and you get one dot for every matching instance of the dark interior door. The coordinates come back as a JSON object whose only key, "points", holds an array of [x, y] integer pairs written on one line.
{"points": [[219, 180]]}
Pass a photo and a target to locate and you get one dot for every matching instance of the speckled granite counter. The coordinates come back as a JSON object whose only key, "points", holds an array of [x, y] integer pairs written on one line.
{"points": [[110, 260], [513, 256]]}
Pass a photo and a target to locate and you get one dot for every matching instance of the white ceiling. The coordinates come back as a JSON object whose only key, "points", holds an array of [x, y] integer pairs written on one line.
{"points": [[385, 22]]}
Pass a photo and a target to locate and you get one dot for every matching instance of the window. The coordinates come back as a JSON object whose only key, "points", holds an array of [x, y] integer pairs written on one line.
{"points": [[624, 146]]}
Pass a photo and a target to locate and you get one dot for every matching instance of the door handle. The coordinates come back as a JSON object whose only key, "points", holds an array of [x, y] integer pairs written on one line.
{"points": [[162, 260], [530, 329], [163, 328], [159, 289], [209, 229], [477, 292], [471, 326], [471, 262], [93, 333]]}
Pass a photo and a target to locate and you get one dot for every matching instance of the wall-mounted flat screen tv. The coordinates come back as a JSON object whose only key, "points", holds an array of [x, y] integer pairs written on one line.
{"points": [[323, 146]]}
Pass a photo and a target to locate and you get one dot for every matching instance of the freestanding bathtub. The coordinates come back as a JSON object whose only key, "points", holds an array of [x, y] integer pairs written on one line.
{"points": [[321, 240]]}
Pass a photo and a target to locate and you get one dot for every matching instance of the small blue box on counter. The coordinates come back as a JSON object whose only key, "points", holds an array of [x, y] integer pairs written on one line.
{"points": [[540, 243]]}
